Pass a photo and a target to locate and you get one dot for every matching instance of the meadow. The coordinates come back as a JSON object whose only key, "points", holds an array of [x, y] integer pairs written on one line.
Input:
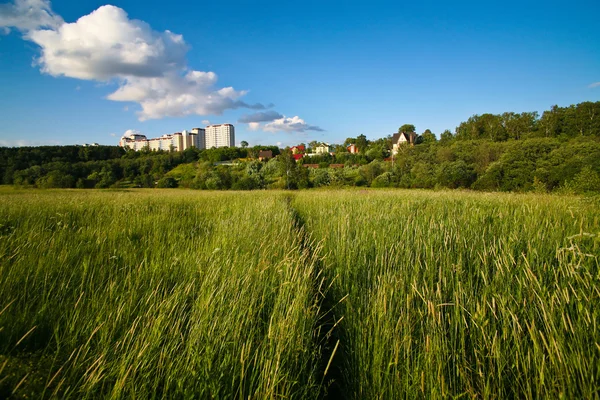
{"points": [[310, 294]]}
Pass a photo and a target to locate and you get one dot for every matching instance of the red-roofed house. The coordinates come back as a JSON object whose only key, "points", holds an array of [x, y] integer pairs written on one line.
{"points": [[298, 149]]}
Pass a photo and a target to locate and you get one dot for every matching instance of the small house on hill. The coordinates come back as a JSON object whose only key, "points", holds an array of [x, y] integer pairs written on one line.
{"points": [[352, 149], [323, 148], [401, 138], [298, 149]]}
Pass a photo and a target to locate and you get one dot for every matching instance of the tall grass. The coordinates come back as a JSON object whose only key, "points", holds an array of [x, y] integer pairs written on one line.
{"points": [[461, 295], [177, 295]]}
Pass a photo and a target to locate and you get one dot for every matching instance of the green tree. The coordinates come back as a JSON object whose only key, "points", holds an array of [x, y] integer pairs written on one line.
{"points": [[244, 144], [446, 137], [455, 174], [428, 137], [587, 180], [362, 143], [288, 169], [407, 128]]}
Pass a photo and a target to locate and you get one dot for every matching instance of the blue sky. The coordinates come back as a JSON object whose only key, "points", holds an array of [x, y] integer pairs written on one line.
{"points": [[82, 72]]}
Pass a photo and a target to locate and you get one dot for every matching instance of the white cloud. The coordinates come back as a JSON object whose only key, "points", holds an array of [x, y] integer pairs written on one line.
{"points": [[177, 95], [206, 122], [594, 85], [26, 15], [105, 45], [254, 126], [294, 124], [113, 134]]}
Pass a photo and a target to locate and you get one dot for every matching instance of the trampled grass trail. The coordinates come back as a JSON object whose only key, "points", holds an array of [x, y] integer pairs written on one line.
{"points": [[462, 295], [175, 295], [354, 294]]}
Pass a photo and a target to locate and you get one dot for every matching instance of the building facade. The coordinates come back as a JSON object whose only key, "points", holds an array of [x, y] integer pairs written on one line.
{"points": [[134, 141], [402, 138], [323, 148], [178, 141], [220, 136]]}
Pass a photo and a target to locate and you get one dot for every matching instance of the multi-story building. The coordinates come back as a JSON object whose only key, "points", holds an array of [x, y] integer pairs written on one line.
{"points": [[220, 136], [200, 138], [134, 141], [178, 141]]}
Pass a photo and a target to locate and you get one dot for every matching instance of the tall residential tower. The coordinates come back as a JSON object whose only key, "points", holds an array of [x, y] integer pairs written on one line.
{"points": [[220, 136]]}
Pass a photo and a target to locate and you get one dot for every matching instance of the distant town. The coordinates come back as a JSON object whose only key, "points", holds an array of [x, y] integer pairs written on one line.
{"points": [[558, 151], [223, 135]]}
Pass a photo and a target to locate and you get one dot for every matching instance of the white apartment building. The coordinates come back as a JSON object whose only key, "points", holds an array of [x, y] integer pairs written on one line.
{"points": [[134, 141], [200, 138], [178, 141], [220, 136]]}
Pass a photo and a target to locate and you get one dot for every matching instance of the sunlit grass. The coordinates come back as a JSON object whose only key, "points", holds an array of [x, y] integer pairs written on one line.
{"points": [[181, 294], [184, 294], [462, 295]]}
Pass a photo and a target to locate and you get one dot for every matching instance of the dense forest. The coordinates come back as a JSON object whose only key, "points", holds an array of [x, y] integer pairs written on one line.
{"points": [[557, 151]]}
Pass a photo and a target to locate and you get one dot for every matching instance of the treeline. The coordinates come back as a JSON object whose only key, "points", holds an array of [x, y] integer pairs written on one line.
{"points": [[559, 151], [579, 120], [538, 164], [102, 166]]}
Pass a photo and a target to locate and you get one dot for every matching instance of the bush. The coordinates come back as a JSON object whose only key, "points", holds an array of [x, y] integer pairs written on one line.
{"points": [[585, 181], [167, 182], [320, 177], [383, 180]]}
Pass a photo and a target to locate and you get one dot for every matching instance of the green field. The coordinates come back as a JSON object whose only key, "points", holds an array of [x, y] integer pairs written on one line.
{"points": [[314, 294]]}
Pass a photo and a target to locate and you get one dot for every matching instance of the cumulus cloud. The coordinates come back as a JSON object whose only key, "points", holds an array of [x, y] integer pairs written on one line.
{"points": [[26, 15], [206, 122], [254, 126], [177, 95], [105, 45], [266, 116], [294, 124], [594, 85]]}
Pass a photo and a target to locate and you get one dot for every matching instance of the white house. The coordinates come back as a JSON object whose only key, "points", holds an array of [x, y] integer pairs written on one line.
{"points": [[402, 138]]}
